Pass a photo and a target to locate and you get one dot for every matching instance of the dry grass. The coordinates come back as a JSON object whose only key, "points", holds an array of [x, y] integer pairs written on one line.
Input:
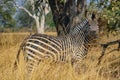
{"points": [[87, 69]]}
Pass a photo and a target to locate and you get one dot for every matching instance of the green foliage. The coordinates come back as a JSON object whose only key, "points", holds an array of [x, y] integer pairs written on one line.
{"points": [[49, 20], [6, 13], [23, 19], [111, 12]]}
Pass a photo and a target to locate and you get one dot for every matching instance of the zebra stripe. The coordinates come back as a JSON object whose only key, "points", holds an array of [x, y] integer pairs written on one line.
{"points": [[39, 47]]}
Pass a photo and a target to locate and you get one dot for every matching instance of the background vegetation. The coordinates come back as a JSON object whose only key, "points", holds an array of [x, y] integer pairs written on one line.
{"points": [[107, 13]]}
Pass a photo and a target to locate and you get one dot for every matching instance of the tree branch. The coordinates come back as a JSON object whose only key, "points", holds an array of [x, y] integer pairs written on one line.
{"points": [[105, 46], [22, 8]]}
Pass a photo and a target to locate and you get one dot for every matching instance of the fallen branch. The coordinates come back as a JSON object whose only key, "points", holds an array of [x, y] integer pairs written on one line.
{"points": [[105, 47]]}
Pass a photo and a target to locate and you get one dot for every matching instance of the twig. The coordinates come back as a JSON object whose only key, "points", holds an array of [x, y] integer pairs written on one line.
{"points": [[104, 48]]}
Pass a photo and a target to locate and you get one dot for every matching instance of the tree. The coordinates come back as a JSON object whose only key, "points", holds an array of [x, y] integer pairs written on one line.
{"points": [[108, 14], [6, 13], [22, 18], [111, 12], [39, 10], [66, 13]]}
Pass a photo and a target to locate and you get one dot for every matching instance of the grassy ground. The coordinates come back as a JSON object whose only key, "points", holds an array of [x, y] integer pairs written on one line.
{"points": [[109, 69]]}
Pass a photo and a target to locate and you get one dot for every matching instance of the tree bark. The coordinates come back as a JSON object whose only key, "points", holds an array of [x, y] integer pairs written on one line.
{"points": [[64, 14], [42, 23], [37, 25]]}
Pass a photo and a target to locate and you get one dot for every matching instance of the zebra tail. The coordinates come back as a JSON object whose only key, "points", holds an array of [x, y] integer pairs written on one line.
{"points": [[18, 54], [17, 59]]}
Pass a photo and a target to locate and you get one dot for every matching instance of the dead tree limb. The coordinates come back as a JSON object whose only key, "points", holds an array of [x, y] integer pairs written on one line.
{"points": [[105, 47]]}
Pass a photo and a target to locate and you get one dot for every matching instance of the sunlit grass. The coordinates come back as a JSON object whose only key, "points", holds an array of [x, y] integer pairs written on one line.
{"points": [[109, 69]]}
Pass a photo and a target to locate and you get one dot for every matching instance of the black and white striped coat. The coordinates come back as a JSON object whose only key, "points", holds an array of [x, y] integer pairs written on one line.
{"points": [[71, 47]]}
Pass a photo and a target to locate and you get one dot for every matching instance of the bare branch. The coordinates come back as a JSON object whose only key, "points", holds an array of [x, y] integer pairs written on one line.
{"points": [[105, 46], [22, 8]]}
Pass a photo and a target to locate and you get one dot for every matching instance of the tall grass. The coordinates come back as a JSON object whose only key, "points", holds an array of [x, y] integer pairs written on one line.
{"points": [[109, 69]]}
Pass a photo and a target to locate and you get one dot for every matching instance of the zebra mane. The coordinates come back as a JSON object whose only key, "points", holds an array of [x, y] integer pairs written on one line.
{"points": [[83, 26]]}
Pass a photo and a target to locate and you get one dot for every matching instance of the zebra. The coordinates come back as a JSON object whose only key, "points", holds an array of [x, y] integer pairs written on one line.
{"points": [[71, 47]]}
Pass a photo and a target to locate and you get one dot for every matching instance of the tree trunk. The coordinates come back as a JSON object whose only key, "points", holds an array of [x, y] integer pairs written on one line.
{"points": [[42, 23], [60, 12], [38, 25], [64, 14]]}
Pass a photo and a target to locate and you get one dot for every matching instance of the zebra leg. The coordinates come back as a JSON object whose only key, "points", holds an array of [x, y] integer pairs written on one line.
{"points": [[76, 60], [75, 65], [30, 64]]}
